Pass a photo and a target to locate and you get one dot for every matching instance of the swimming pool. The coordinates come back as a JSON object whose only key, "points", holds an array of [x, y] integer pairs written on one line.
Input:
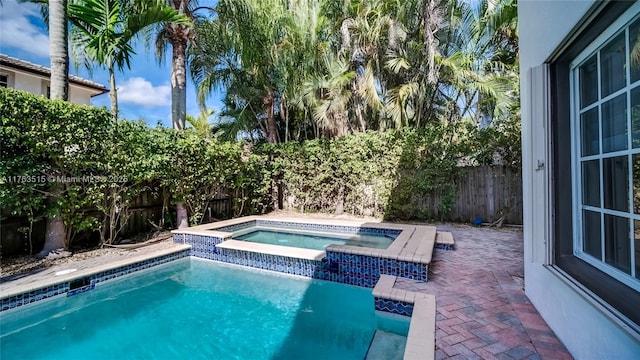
{"points": [[310, 240], [197, 309]]}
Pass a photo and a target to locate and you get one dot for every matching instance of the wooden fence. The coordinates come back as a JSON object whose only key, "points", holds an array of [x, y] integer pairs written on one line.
{"points": [[490, 193], [145, 211]]}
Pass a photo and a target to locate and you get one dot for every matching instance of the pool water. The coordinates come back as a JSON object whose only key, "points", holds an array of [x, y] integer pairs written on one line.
{"points": [[197, 309], [314, 241]]}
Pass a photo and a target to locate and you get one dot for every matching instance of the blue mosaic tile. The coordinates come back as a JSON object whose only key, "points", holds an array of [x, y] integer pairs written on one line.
{"points": [[340, 267], [302, 267], [81, 290], [64, 288], [445, 246], [236, 227], [393, 306], [331, 228]]}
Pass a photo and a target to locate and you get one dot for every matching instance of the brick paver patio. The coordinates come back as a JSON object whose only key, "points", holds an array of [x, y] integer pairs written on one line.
{"points": [[482, 311]]}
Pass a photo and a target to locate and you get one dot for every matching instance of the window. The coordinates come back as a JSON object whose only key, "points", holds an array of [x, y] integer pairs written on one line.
{"points": [[595, 158], [606, 137], [4, 80]]}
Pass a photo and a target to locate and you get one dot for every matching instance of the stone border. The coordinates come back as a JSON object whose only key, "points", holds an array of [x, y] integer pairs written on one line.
{"points": [[51, 287], [444, 241], [402, 248], [408, 255], [421, 340]]}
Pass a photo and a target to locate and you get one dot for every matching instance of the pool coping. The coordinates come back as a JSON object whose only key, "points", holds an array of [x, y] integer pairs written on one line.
{"points": [[421, 343], [269, 249], [415, 243], [59, 281]]}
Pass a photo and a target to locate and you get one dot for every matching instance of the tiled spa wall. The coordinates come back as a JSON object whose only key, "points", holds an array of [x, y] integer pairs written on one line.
{"points": [[323, 227], [393, 306], [340, 267], [354, 267], [89, 282]]}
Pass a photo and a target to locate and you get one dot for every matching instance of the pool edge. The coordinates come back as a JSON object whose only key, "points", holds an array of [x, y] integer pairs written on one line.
{"points": [[51, 287]]}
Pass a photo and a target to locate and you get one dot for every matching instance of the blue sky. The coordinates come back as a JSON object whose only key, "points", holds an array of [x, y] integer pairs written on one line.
{"points": [[144, 91]]}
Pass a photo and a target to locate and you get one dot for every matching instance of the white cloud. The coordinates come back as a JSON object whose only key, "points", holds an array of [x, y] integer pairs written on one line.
{"points": [[17, 30], [139, 91]]}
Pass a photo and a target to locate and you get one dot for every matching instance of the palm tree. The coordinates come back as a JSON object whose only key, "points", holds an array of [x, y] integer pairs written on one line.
{"points": [[59, 49], [59, 52], [330, 95], [251, 43], [103, 31], [344, 65], [179, 36], [201, 123]]}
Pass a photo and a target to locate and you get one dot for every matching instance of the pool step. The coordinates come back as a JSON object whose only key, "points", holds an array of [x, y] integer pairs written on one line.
{"points": [[419, 247], [386, 346], [444, 241]]}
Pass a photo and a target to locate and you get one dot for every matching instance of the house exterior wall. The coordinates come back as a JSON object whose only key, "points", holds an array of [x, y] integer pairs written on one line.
{"points": [[28, 83], [587, 330], [36, 84], [79, 95]]}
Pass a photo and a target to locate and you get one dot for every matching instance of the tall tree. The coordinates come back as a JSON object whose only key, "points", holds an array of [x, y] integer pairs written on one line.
{"points": [[59, 52], [59, 49], [341, 66], [104, 30], [254, 47], [179, 36]]}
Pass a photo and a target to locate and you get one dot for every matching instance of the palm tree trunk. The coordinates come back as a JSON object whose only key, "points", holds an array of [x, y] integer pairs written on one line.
{"points": [[113, 93], [272, 131], [179, 107], [178, 85], [59, 49], [56, 232], [430, 26]]}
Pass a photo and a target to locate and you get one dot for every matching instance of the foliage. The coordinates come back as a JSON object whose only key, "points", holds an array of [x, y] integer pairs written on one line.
{"points": [[305, 69], [103, 30], [102, 166], [196, 169], [46, 142], [386, 173], [130, 166]]}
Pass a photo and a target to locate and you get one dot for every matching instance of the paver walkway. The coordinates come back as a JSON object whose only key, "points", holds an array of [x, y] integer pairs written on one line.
{"points": [[482, 310]]}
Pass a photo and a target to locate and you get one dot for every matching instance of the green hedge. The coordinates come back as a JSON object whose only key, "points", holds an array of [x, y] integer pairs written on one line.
{"points": [[372, 173], [59, 158], [388, 173]]}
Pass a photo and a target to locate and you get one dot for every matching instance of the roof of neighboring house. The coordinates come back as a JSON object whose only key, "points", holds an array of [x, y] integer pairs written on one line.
{"points": [[19, 64]]}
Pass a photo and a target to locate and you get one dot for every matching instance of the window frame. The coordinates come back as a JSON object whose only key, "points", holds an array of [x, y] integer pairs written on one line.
{"points": [[620, 26], [620, 299], [4, 84]]}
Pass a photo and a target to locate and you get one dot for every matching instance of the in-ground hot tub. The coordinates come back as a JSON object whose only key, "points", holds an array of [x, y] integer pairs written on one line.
{"points": [[397, 249], [313, 239]]}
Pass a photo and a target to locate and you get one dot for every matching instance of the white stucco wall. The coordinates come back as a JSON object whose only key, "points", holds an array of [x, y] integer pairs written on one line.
{"points": [[28, 83], [586, 331], [79, 95], [36, 84]]}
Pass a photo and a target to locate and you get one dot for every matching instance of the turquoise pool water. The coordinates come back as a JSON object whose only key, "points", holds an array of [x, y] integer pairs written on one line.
{"points": [[193, 309], [314, 241]]}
